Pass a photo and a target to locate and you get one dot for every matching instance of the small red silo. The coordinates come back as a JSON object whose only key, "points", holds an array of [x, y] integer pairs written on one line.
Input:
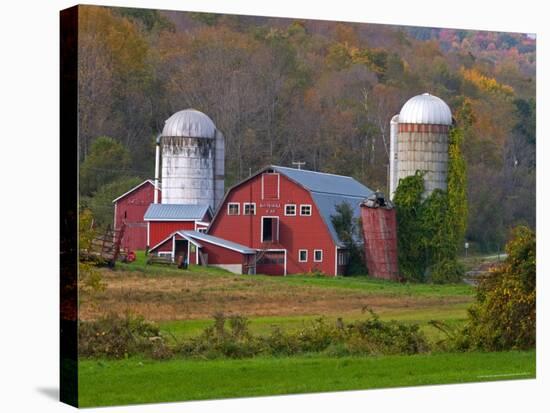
{"points": [[380, 233]]}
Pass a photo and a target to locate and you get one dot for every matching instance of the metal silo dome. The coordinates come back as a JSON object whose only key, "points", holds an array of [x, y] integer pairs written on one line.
{"points": [[189, 123], [426, 109]]}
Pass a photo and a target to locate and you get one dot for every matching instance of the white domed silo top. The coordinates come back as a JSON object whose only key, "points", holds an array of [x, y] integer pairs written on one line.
{"points": [[426, 109], [189, 123]]}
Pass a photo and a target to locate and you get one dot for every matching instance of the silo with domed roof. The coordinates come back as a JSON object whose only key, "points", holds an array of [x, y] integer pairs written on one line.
{"points": [[420, 142]]}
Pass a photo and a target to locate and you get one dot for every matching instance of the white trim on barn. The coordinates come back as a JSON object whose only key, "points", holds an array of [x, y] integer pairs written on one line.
{"points": [[295, 209], [238, 208], [133, 189], [300, 255], [278, 184], [249, 203], [278, 250], [315, 252], [310, 210], [262, 227]]}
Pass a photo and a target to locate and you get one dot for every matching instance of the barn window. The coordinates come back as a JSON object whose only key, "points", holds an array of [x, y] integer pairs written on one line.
{"points": [[201, 230], [318, 255], [302, 255], [125, 214], [249, 208], [233, 208], [305, 210], [290, 209], [270, 229], [343, 257]]}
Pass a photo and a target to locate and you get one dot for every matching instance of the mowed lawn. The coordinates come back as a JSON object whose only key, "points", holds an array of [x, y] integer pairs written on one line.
{"points": [[135, 380]]}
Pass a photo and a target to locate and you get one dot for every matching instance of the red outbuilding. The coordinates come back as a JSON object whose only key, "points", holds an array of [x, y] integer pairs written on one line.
{"points": [[164, 219], [130, 208], [199, 248], [285, 215]]}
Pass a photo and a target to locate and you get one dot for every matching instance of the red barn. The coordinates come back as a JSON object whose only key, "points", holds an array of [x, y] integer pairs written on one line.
{"points": [[285, 214], [164, 219], [130, 207]]}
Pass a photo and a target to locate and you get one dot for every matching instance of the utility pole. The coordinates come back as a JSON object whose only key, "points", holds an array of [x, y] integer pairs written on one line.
{"points": [[299, 164]]}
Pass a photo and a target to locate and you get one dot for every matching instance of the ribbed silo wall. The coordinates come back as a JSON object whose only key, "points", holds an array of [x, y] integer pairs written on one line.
{"points": [[394, 130], [380, 233], [219, 169], [424, 148], [188, 170]]}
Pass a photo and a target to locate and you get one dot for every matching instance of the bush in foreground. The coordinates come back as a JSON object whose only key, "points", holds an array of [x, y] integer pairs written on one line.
{"points": [[364, 337], [113, 336], [504, 314]]}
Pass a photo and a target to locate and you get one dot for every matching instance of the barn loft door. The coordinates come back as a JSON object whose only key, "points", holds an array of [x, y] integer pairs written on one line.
{"points": [[270, 186]]}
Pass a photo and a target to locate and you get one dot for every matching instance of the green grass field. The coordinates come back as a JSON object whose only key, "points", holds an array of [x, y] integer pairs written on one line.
{"points": [[104, 383], [182, 303]]}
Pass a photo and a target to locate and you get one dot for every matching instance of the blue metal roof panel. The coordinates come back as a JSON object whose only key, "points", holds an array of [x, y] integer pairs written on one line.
{"points": [[219, 241], [326, 203], [174, 212], [324, 182]]}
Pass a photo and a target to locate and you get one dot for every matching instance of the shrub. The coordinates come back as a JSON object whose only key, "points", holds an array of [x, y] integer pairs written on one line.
{"points": [[446, 271], [365, 337], [117, 337], [218, 341], [504, 315]]}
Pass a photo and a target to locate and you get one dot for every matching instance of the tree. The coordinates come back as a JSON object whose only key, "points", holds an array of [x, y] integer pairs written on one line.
{"points": [[349, 231], [107, 160], [89, 278], [101, 203], [504, 315]]}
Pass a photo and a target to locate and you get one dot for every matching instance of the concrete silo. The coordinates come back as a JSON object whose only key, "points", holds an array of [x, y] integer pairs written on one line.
{"points": [[191, 155], [420, 142]]}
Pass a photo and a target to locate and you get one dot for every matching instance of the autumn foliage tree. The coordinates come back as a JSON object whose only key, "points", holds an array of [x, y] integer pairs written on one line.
{"points": [[504, 315], [284, 90]]}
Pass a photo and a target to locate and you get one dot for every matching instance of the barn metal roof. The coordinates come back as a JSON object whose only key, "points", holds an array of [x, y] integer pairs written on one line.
{"points": [[326, 203], [328, 191], [189, 123], [176, 212], [324, 182], [426, 109], [218, 241]]}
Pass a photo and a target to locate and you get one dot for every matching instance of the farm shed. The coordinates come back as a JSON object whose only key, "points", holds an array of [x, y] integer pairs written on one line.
{"points": [[199, 248], [285, 214], [164, 219], [130, 208]]}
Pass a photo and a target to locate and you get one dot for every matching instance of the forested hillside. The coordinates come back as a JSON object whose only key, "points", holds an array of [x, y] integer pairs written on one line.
{"points": [[284, 90]]}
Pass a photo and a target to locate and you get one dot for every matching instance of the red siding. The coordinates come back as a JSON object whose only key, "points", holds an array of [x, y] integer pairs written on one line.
{"points": [[131, 209], [271, 186], [159, 230], [295, 232], [221, 255]]}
